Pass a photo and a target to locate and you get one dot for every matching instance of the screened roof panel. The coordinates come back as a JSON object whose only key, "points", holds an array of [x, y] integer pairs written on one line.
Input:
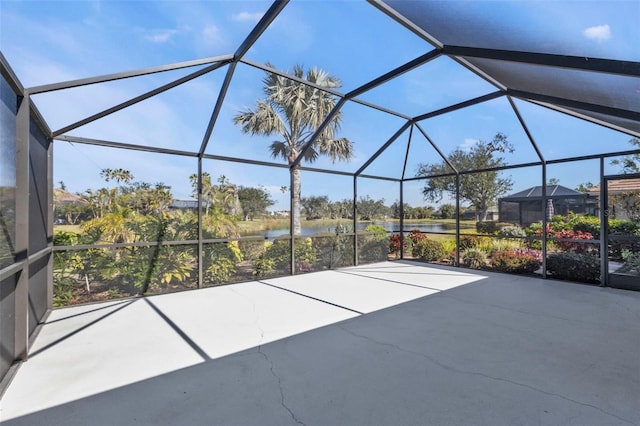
{"points": [[464, 128], [310, 33], [577, 28], [437, 84], [174, 119], [615, 91], [227, 138], [390, 161], [623, 124], [69, 40], [562, 136], [65, 107], [368, 129]]}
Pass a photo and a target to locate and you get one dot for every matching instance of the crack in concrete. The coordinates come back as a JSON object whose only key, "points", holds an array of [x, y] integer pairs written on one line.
{"points": [[266, 357], [475, 373], [280, 388]]}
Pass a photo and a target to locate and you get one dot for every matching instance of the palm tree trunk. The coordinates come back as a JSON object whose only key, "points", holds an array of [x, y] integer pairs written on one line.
{"points": [[295, 201]]}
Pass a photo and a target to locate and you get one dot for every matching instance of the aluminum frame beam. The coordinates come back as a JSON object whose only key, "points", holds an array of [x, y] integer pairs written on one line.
{"points": [[599, 109], [465, 104], [261, 26], [609, 66], [391, 140], [137, 99], [127, 74], [584, 117]]}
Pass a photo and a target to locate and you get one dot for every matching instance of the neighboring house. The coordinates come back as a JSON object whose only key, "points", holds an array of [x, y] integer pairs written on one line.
{"points": [[526, 207], [471, 214], [624, 198], [184, 205]]}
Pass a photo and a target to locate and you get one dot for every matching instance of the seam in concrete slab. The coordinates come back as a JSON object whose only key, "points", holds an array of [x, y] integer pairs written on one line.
{"points": [[390, 281], [84, 327], [180, 332], [110, 305], [312, 298], [475, 373]]}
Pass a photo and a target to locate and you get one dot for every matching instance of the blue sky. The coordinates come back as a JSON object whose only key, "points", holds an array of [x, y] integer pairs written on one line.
{"points": [[52, 41]]}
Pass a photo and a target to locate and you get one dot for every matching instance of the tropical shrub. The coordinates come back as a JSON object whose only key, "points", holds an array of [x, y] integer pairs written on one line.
{"points": [[572, 246], [515, 261], [220, 261], [416, 235], [491, 226], [631, 262], [428, 250], [474, 258], [623, 227], [586, 224], [277, 256], [512, 231], [449, 247], [251, 249], [469, 241], [394, 244], [334, 250], [574, 266]]}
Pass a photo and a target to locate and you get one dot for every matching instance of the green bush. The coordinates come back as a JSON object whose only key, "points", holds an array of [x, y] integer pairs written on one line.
{"points": [[574, 267], [378, 231], [469, 241], [474, 258], [491, 226], [428, 250], [220, 261], [584, 223], [515, 261], [623, 227], [512, 231], [251, 249], [277, 256], [631, 262]]}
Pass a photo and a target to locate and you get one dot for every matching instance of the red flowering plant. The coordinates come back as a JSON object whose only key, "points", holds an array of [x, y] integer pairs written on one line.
{"points": [[560, 237], [394, 244], [516, 261], [573, 246]]}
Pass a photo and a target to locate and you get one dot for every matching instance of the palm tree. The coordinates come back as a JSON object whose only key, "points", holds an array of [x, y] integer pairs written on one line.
{"points": [[295, 111]]}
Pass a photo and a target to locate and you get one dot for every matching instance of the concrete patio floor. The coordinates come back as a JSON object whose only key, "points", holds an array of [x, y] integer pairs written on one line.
{"points": [[394, 343]]}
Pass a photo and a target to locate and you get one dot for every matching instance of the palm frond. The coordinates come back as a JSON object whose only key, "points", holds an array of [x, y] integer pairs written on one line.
{"points": [[280, 149], [336, 149], [263, 121]]}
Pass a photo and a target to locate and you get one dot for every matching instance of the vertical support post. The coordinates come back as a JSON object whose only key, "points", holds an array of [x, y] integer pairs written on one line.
{"points": [[200, 245], [401, 219], [457, 261], [50, 223], [21, 346], [292, 238], [355, 220], [604, 227], [544, 220]]}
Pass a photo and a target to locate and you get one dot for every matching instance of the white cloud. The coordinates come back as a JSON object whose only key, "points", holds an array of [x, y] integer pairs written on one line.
{"points": [[162, 36], [247, 16], [598, 33], [211, 34], [468, 144]]}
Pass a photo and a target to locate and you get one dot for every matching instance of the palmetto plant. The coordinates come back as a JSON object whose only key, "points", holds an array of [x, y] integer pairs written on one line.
{"points": [[295, 111]]}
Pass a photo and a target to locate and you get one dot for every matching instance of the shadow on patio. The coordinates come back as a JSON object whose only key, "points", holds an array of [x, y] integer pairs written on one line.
{"points": [[390, 343]]}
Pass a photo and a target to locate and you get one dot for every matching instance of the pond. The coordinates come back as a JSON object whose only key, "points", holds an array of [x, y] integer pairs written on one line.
{"points": [[390, 227]]}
